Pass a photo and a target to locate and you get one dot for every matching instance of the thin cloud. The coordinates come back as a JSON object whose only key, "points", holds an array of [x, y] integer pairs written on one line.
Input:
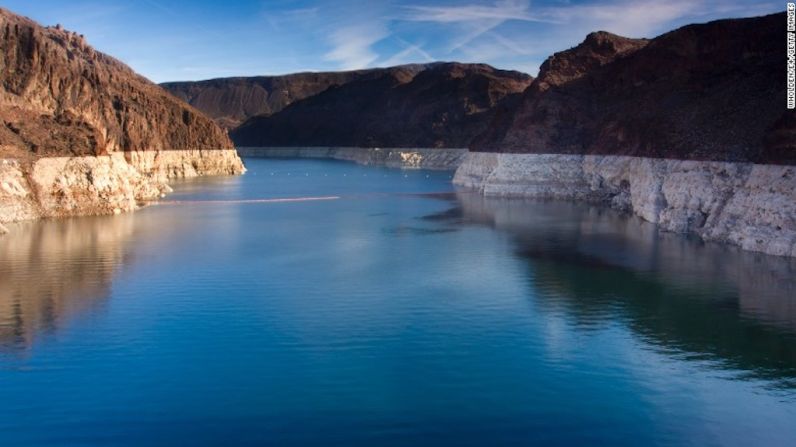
{"points": [[631, 18], [474, 20], [278, 36], [412, 53], [500, 11], [643, 18], [352, 45], [512, 46]]}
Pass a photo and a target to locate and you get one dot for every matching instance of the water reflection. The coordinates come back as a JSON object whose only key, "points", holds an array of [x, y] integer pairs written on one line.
{"points": [[690, 299], [53, 270]]}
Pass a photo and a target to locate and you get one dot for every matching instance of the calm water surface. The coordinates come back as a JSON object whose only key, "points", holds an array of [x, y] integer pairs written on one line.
{"points": [[402, 313]]}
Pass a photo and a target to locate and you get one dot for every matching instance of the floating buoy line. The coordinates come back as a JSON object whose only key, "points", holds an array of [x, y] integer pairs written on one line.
{"points": [[430, 194]]}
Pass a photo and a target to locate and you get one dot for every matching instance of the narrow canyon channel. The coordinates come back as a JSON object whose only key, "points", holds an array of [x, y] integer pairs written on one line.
{"points": [[320, 302]]}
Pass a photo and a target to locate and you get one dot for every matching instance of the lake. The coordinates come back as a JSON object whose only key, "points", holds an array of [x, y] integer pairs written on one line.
{"points": [[396, 311]]}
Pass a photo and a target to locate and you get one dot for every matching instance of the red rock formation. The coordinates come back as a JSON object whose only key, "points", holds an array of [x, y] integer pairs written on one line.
{"points": [[712, 91], [61, 97], [433, 105], [599, 48], [81, 133]]}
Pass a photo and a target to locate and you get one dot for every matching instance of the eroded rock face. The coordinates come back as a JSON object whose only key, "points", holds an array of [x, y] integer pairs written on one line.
{"points": [[599, 48], [749, 205], [81, 133], [688, 130], [439, 105], [61, 97], [702, 92], [72, 186]]}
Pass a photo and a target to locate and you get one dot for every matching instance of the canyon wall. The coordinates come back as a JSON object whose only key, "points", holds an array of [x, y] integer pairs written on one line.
{"points": [[713, 91], [81, 133], [749, 205], [687, 130], [102, 184]]}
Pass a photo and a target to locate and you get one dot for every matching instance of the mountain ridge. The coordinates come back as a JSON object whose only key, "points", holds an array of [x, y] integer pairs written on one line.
{"points": [[444, 105], [233, 100], [712, 91]]}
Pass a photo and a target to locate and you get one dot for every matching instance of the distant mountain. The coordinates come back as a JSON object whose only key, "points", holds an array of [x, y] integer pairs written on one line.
{"points": [[231, 101], [713, 91], [433, 105]]}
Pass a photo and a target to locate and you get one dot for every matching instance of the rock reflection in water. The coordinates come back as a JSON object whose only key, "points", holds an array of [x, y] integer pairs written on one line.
{"points": [[53, 270], [598, 266]]}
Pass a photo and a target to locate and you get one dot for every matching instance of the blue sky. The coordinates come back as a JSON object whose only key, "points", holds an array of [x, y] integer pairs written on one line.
{"points": [[199, 39]]}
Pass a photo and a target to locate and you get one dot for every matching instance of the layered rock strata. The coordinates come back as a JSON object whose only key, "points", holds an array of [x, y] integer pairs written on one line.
{"points": [[81, 133], [749, 205], [687, 130]]}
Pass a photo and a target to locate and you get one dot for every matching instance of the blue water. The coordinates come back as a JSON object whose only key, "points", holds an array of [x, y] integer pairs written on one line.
{"points": [[401, 313]]}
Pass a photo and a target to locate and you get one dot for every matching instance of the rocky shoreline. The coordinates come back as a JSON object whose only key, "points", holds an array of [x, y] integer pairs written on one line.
{"points": [[82, 134], [744, 204], [404, 158], [97, 185]]}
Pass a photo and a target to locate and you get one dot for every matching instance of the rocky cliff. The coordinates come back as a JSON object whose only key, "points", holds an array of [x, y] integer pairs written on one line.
{"points": [[81, 133], [688, 130], [745, 204], [433, 105], [710, 91]]}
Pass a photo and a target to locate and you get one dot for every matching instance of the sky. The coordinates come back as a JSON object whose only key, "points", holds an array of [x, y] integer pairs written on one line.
{"points": [[200, 39]]}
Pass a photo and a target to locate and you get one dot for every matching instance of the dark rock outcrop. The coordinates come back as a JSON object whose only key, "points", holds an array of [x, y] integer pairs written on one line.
{"points": [[441, 105], [61, 97], [599, 48], [713, 91]]}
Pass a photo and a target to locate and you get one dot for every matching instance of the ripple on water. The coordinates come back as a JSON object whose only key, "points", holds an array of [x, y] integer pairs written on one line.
{"points": [[401, 313]]}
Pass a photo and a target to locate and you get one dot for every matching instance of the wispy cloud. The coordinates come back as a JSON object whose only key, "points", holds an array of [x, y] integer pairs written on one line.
{"points": [[351, 45], [512, 45], [643, 18], [410, 53], [201, 39], [481, 32], [632, 18], [475, 20], [500, 11]]}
